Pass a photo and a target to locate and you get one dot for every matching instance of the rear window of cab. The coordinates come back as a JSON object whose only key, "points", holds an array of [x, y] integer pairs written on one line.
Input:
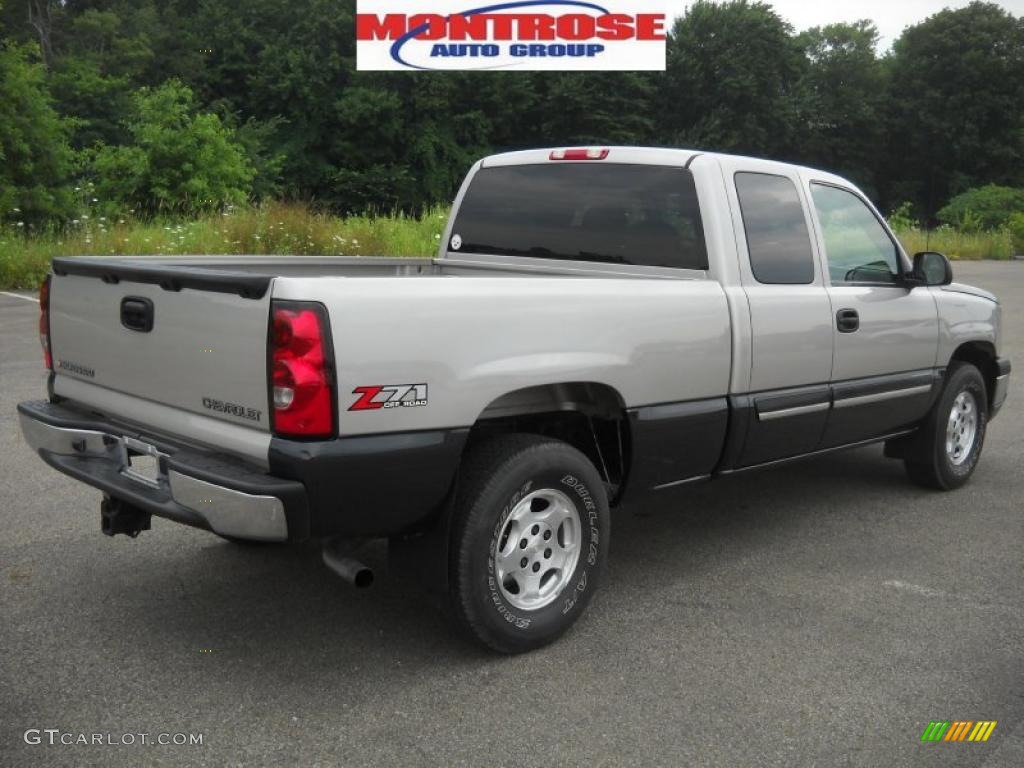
{"points": [[643, 215]]}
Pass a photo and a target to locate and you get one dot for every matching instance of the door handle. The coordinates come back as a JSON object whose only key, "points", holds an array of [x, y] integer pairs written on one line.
{"points": [[847, 320]]}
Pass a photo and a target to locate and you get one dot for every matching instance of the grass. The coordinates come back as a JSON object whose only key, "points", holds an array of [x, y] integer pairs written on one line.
{"points": [[283, 228], [289, 228], [959, 245]]}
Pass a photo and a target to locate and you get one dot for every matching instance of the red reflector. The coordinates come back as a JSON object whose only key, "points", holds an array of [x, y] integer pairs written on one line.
{"points": [[593, 153], [44, 322], [301, 372]]}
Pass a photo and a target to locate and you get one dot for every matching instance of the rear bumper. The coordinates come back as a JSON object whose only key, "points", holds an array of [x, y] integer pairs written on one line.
{"points": [[377, 485], [205, 490], [1002, 383]]}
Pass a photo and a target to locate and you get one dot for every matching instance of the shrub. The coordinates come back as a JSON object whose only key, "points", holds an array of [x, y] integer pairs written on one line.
{"points": [[179, 161], [902, 217], [988, 207], [1016, 227]]}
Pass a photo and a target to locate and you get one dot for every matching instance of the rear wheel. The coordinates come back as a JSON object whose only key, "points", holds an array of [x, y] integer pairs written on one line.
{"points": [[953, 434], [529, 541]]}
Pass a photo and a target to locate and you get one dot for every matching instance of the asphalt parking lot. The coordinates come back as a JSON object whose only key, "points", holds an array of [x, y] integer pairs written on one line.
{"points": [[820, 613]]}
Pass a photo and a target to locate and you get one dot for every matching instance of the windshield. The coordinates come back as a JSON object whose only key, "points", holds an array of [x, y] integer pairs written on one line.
{"points": [[623, 214]]}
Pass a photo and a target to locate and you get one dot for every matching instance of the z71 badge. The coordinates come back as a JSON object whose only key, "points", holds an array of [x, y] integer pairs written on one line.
{"points": [[389, 396]]}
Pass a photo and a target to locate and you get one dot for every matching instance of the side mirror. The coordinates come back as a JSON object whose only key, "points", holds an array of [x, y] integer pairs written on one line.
{"points": [[931, 268]]}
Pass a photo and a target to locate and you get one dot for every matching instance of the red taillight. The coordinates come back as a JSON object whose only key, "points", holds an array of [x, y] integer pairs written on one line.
{"points": [[44, 322], [301, 373], [591, 153]]}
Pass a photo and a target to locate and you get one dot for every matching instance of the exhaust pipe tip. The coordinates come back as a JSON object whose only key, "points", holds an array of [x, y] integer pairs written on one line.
{"points": [[358, 574], [363, 577]]}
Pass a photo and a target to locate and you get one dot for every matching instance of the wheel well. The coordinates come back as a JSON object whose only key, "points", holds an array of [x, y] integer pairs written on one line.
{"points": [[589, 416], [982, 355]]}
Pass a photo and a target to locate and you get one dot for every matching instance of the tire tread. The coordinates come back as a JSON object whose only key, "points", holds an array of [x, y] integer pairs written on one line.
{"points": [[924, 467], [483, 469]]}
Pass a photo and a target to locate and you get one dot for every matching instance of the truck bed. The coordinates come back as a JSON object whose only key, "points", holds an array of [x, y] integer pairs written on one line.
{"points": [[250, 275], [199, 370]]}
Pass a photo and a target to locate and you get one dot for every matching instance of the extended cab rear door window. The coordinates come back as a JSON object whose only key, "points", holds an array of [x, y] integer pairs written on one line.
{"points": [[644, 215], [777, 238]]}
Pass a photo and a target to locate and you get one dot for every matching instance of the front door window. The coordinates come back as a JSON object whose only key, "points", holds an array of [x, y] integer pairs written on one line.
{"points": [[858, 248]]}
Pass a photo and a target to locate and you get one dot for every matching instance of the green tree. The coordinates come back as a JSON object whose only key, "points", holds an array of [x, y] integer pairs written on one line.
{"points": [[955, 103], [97, 103], [595, 107], [844, 100], [1016, 227], [509, 104], [732, 80], [363, 174], [36, 161], [178, 161], [103, 55], [439, 144], [257, 139], [942, 114]]}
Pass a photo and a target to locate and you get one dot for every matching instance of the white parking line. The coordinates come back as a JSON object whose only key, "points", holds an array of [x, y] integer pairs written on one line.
{"points": [[916, 589], [19, 296], [983, 604]]}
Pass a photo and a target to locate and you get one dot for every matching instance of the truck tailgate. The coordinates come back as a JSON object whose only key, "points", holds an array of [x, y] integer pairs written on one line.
{"points": [[190, 339]]}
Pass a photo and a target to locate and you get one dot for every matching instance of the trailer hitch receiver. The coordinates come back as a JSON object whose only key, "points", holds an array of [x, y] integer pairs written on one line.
{"points": [[117, 516]]}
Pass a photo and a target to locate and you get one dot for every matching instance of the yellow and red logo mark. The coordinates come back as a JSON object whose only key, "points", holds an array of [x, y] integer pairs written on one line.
{"points": [[958, 730]]}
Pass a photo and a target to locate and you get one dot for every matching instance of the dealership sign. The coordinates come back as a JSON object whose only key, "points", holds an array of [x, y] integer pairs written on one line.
{"points": [[510, 36]]}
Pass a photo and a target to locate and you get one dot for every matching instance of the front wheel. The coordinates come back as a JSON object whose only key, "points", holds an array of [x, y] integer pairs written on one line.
{"points": [[529, 541], [953, 433]]}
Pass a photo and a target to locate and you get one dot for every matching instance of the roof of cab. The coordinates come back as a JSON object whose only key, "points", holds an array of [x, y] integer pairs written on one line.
{"points": [[646, 156], [638, 155]]}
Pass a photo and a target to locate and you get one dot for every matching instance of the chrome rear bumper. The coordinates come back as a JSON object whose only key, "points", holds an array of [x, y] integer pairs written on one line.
{"points": [[224, 497]]}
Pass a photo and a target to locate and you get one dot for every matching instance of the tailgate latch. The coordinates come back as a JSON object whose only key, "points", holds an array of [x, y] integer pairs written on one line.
{"points": [[137, 314]]}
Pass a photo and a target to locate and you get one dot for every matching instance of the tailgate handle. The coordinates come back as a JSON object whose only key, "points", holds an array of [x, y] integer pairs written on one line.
{"points": [[137, 313]]}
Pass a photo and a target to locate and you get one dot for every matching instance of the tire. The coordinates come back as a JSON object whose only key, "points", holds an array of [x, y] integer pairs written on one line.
{"points": [[948, 450], [533, 499]]}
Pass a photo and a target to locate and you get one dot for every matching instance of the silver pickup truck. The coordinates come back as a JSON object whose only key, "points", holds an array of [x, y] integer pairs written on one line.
{"points": [[600, 325]]}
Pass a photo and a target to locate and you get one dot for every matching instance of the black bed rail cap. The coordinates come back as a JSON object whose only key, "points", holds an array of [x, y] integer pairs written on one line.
{"points": [[170, 277]]}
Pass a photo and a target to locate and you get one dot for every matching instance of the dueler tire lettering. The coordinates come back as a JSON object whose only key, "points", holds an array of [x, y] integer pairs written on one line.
{"points": [[497, 474]]}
